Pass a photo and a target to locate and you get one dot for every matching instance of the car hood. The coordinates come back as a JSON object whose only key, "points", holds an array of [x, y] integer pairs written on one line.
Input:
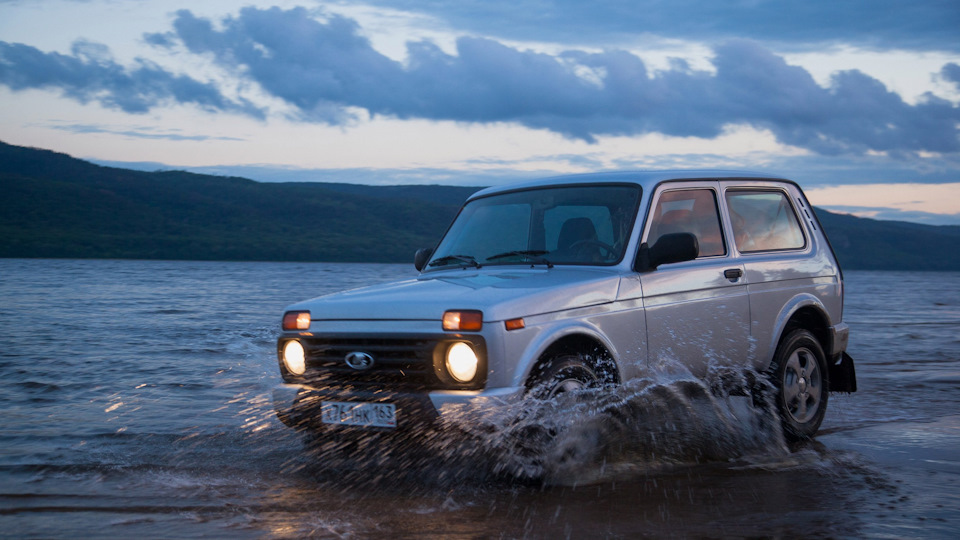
{"points": [[500, 293]]}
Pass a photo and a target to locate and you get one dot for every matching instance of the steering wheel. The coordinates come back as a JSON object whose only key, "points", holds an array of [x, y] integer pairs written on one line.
{"points": [[580, 246]]}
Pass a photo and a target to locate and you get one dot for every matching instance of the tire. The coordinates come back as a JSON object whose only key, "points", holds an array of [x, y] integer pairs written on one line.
{"points": [[564, 373], [533, 442], [801, 381]]}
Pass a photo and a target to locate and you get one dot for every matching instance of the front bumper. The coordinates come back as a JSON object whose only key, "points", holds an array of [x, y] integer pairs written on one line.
{"points": [[298, 405]]}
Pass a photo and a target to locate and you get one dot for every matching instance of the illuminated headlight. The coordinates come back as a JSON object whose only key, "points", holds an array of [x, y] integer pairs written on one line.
{"points": [[462, 362], [293, 357]]}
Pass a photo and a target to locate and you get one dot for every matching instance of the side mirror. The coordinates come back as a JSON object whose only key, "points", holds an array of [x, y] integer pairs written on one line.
{"points": [[669, 248], [421, 258]]}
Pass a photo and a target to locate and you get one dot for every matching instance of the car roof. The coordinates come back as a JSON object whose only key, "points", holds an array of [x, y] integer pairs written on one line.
{"points": [[644, 178]]}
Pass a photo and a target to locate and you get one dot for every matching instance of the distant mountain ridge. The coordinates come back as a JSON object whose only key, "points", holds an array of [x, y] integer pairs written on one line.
{"points": [[57, 206]]}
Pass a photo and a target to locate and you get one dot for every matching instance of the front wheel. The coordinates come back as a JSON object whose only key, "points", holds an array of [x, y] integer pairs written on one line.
{"points": [[799, 375], [539, 449], [566, 373]]}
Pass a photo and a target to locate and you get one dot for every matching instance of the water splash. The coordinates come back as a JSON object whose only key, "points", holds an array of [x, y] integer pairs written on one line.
{"points": [[641, 427]]}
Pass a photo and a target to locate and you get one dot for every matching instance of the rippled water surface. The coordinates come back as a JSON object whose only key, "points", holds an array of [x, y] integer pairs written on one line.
{"points": [[136, 401]]}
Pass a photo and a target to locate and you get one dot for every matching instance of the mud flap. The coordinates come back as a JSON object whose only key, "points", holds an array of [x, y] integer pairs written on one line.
{"points": [[843, 376]]}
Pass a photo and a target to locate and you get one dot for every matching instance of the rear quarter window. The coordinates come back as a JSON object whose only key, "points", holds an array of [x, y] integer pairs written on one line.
{"points": [[763, 221]]}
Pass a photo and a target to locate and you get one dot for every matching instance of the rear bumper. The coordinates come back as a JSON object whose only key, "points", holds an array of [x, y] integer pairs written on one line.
{"points": [[839, 337], [843, 375], [298, 406]]}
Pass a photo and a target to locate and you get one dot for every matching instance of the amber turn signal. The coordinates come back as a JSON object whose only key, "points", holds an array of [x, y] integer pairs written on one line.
{"points": [[463, 321], [514, 324], [296, 320]]}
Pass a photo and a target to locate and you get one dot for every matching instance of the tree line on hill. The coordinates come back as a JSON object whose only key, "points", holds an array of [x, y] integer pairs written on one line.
{"points": [[56, 206]]}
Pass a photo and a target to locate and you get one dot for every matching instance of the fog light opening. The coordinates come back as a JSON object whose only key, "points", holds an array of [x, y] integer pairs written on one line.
{"points": [[462, 362], [294, 357]]}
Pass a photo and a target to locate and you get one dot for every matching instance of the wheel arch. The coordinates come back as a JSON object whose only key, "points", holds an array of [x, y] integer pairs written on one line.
{"points": [[596, 352], [807, 312]]}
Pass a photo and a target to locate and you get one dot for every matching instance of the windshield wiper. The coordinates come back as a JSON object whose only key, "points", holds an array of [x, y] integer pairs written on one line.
{"points": [[534, 255], [467, 260]]}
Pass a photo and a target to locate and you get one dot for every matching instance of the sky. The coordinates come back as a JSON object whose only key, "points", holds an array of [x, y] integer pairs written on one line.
{"points": [[858, 100]]}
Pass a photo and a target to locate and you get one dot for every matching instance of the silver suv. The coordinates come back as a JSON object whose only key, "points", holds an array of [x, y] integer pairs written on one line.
{"points": [[580, 281]]}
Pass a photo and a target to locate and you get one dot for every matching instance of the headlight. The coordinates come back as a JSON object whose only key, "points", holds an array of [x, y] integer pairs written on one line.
{"points": [[462, 362], [293, 357]]}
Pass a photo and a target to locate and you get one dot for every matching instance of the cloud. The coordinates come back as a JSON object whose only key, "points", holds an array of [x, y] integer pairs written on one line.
{"points": [[580, 161], [141, 132], [930, 198], [317, 67], [327, 69], [90, 74], [929, 25], [951, 72]]}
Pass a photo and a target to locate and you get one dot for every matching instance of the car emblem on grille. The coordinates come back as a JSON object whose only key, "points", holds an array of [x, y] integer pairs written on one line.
{"points": [[359, 360]]}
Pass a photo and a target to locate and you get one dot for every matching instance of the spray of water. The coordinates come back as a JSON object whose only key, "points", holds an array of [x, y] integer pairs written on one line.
{"points": [[669, 419], [645, 425]]}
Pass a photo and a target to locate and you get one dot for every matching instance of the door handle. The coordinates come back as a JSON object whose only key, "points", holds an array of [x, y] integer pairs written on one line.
{"points": [[733, 273]]}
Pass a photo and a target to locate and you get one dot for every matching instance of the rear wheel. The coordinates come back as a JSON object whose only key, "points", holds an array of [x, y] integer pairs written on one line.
{"points": [[799, 374]]}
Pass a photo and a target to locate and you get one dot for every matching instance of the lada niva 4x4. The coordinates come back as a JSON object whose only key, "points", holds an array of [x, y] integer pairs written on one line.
{"points": [[582, 281]]}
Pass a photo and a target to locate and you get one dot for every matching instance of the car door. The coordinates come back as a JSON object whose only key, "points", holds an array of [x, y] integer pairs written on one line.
{"points": [[697, 312]]}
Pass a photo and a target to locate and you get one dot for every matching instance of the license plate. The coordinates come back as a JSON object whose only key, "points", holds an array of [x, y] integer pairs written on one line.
{"points": [[359, 414]]}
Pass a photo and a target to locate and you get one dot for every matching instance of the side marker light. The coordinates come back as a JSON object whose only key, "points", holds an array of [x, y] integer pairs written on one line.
{"points": [[514, 324]]}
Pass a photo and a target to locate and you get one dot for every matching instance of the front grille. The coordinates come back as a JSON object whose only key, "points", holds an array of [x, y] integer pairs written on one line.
{"points": [[401, 363], [406, 363]]}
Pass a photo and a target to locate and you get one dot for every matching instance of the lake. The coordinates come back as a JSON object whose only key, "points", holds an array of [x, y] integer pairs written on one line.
{"points": [[136, 401]]}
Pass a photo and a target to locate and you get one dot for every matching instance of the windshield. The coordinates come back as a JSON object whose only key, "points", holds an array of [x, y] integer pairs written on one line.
{"points": [[549, 226]]}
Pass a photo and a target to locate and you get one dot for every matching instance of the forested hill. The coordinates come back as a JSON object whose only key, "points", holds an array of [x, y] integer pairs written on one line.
{"points": [[868, 244], [57, 206], [53, 205]]}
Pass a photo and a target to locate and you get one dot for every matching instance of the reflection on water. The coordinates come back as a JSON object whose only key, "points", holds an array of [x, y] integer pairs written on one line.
{"points": [[136, 402]]}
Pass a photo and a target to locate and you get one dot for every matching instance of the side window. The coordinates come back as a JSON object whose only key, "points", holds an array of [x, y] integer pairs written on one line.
{"points": [[763, 221], [693, 211]]}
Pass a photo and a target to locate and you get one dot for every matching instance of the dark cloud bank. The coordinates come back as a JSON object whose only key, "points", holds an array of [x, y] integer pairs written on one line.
{"points": [[322, 68], [923, 25], [90, 74]]}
